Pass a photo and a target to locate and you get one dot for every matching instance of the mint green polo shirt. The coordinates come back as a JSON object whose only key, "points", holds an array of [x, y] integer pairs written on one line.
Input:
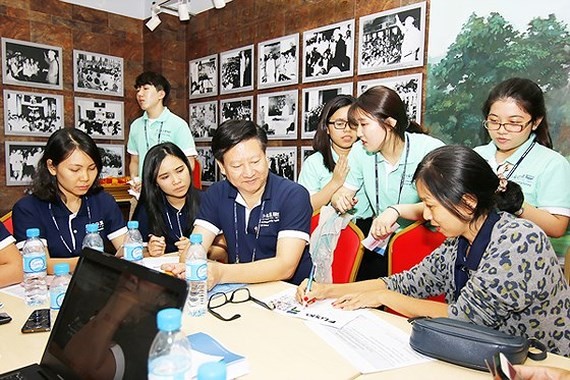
{"points": [[363, 168], [314, 176]]}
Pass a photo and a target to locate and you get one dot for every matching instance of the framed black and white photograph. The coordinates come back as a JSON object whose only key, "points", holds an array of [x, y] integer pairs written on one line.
{"points": [[204, 77], [314, 100], [306, 151], [32, 114], [236, 70], [22, 158], [29, 64], [283, 161], [203, 120], [113, 157], [97, 73], [278, 62], [236, 108], [409, 87], [328, 52], [100, 119], [277, 114], [392, 39], [208, 163]]}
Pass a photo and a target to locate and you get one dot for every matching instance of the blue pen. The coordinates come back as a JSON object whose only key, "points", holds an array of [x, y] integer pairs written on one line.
{"points": [[311, 278]]}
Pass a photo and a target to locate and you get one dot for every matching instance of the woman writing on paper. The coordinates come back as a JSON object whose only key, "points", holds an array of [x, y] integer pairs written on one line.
{"points": [[65, 196], [494, 269]]}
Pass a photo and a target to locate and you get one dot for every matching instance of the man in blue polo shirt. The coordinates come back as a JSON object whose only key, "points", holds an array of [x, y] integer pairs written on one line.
{"points": [[264, 218]]}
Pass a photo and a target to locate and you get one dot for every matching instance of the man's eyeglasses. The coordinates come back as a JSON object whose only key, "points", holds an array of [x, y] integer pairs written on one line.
{"points": [[340, 124], [237, 296], [493, 125]]}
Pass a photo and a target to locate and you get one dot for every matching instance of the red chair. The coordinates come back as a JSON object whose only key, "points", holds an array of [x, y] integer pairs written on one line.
{"points": [[197, 174], [348, 252], [7, 221], [409, 246]]}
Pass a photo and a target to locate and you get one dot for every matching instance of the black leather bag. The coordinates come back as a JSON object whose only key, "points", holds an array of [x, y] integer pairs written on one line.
{"points": [[467, 344]]}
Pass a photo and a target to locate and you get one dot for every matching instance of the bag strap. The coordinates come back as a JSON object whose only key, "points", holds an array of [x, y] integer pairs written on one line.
{"points": [[539, 352]]}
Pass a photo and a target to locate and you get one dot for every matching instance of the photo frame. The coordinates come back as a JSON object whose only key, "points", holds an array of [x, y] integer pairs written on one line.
{"points": [[328, 52], [29, 64], [306, 151], [393, 39], [283, 161], [208, 163], [100, 118], [236, 108], [32, 114], [113, 157], [203, 120], [22, 158], [203, 78], [236, 70], [278, 62], [314, 100], [97, 73], [277, 114], [409, 87]]}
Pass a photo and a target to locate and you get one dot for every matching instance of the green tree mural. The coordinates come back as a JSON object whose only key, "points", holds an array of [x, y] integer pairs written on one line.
{"points": [[487, 51]]}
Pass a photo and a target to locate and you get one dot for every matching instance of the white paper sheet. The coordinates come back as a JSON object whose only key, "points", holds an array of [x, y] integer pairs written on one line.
{"points": [[370, 344]]}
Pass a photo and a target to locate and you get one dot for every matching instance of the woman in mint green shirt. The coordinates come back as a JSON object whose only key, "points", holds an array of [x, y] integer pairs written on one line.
{"points": [[325, 171]]}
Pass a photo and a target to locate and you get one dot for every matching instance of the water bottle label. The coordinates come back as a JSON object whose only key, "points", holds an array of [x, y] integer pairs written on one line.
{"points": [[133, 252], [56, 299], [34, 263], [197, 270]]}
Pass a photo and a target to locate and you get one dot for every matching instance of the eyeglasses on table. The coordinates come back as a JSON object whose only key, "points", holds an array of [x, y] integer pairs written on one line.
{"points": [[240, 295]]}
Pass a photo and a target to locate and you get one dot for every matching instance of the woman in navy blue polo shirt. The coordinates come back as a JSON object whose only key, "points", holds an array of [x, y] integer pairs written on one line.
{"points": [[10, 259], [65, 196], [169, 203]]}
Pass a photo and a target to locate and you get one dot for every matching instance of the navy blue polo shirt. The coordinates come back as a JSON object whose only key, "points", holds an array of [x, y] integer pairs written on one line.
{"points": [[286, 213], [58, 225], [5, 237], [176, 222]]}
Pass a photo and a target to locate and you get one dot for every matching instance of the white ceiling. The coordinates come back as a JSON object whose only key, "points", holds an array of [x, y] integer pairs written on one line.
{"points": [[136, 8]]}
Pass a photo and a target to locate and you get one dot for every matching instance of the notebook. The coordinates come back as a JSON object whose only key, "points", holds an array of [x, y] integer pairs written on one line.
{"points": [[112, 304]]}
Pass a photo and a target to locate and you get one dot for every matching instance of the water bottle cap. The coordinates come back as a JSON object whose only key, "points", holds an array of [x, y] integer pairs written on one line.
{"points": [[92, 227], [132, 224], [212, 371], [196, 239], [61, 268], [169, 319], [32, 232]]}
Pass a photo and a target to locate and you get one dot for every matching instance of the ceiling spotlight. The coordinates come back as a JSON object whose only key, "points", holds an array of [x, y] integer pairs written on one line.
{"points": [[219, 3], [154, 20], [183, 11]]}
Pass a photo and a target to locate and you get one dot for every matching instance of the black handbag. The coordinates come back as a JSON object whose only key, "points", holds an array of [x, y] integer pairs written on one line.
{"points": [[469, 345]]}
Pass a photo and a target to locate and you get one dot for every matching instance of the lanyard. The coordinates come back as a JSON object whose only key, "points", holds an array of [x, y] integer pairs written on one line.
{"points": [[170, 223], [58, 230], [257, 231], [146, 135], [504, 166], [402, 179]]}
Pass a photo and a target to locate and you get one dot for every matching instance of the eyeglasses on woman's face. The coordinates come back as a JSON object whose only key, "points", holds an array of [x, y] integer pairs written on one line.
{"points": [[240, 295], [340, 124], [495, 125]]}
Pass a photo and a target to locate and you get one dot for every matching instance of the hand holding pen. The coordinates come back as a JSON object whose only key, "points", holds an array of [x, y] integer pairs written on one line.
{"points": [[306, 300], [156, 245]]}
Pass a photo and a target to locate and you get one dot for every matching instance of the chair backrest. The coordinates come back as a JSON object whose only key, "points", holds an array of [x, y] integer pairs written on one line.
{"points": [[7, 221], [197, 174], [348, 252]]}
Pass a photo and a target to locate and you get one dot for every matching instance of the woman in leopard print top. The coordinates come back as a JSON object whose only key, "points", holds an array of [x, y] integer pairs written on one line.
{"points": [[494, 269]]}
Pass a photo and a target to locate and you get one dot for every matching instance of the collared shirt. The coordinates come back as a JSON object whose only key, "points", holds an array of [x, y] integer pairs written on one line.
{"points": [[286, 213], [363, 167], [5, 237], [314, 176], [167, 128], [100, 208], [544, 175]]}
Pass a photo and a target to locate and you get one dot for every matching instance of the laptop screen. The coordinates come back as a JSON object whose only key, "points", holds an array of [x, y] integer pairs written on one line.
{"points": [[107, 321]]}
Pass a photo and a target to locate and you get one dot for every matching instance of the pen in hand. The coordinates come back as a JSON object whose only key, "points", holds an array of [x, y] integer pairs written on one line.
{"points": [[309, 283]]}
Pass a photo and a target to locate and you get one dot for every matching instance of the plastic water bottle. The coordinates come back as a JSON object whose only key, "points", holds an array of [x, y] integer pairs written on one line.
{"points": [[170, 356], [134, 243], [212, 371], [197, 276], [35, 266], [92, 239], [58, 286]]}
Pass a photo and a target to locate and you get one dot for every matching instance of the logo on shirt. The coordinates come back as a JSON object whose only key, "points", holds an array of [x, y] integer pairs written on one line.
{"points": [[268, 218]]}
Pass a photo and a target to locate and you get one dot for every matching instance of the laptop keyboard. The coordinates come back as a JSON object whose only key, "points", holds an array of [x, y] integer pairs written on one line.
{"points": [[13, 376]]}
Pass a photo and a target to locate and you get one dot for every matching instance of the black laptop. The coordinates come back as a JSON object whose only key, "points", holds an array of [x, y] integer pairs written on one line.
{"points": [[107, 321]]}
